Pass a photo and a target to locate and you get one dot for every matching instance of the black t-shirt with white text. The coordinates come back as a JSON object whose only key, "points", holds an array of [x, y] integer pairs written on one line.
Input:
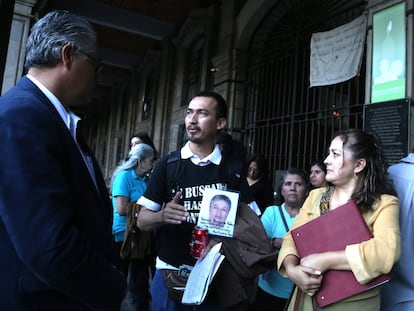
{"points": [[173, 241]]}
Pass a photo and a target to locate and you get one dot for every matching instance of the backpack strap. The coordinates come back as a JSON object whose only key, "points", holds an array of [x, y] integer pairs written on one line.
{"points": [[231, 170], [173, 167]]}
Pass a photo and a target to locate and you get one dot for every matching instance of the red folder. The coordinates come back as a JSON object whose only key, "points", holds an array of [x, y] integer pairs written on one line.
{"points": [[333, 231]]}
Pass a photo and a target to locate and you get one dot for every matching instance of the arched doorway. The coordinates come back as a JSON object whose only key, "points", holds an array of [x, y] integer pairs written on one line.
{"points": [[288, 122]]}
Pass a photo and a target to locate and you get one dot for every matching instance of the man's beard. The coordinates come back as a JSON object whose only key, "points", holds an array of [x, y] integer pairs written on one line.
{"points": [[194, 140]]}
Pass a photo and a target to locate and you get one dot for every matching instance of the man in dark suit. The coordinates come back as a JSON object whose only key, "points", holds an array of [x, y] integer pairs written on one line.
{"points": [[55, 213]]}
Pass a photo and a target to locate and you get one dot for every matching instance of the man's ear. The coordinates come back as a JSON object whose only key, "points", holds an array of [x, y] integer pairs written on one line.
{"points": [[360, 165], [221, 123], [66, 55]]}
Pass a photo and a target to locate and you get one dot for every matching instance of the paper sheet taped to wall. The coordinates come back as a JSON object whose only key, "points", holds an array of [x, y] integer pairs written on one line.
{"points": [[336, 55]]}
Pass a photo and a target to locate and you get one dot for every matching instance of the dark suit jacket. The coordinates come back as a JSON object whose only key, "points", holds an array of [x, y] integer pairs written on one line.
{"points": [[55, 225]]}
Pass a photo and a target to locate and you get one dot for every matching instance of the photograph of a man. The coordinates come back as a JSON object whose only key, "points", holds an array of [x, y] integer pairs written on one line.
{"points": [[220, 205], [218, 211]]}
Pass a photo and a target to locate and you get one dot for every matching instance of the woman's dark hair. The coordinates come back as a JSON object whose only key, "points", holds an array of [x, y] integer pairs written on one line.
{"points": [[261, 164], [364, 145], [146, 139], [320, 164], [291, 171]]}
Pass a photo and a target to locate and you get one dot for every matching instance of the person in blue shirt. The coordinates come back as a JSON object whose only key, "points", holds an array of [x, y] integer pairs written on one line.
{"points": [[129, 182], [274, 290]]}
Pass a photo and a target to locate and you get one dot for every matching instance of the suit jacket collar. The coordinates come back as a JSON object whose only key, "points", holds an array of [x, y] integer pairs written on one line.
{"points": [[26, 84]]}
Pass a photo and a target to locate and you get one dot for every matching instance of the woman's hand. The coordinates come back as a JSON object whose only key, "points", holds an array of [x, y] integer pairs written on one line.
{"points": [[315, 261], [307, 279], [326, 261]]}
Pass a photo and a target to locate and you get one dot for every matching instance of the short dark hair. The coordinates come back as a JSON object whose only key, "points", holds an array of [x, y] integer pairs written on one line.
{"points": [[221, 107], [261, 163], [320, 164], [145, 138]]}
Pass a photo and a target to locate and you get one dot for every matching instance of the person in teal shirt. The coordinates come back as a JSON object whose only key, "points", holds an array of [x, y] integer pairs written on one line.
{"points": [[128, 184], [274, 290]]}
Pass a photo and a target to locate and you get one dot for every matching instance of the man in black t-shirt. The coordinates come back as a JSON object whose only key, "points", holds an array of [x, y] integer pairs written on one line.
{"points": [[174, 210]]}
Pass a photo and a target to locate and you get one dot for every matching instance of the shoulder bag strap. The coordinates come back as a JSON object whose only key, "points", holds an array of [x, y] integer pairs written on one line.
{"points": [[283, 218]]}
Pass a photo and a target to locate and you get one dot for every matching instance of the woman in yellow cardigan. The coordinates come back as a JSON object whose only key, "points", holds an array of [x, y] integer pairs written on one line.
{"points": [[357, 171]]}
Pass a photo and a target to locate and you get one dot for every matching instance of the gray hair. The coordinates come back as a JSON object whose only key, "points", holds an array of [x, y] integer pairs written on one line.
{"points": [[56, 29], [221, 197], [139, 152]]}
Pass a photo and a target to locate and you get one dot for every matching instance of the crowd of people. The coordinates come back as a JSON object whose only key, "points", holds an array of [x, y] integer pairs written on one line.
{"points": [[61, 248]]}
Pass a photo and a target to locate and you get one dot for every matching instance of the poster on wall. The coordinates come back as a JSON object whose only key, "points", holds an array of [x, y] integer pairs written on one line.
{"points": [[336, 55], [388, 54]]}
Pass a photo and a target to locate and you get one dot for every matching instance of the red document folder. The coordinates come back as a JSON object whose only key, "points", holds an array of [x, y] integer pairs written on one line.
{"points": [[333, 231]]}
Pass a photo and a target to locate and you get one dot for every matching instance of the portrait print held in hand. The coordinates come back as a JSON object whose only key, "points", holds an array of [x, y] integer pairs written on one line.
{"points": [[218, 211]]}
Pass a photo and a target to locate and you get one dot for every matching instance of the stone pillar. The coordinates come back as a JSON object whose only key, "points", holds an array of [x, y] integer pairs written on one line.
{"points": [[17, 43], [229, 66], [6, 16], [230, 79]]}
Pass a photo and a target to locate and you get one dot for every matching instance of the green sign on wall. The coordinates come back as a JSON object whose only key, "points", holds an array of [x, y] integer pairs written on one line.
{"points": [[388, 57]]}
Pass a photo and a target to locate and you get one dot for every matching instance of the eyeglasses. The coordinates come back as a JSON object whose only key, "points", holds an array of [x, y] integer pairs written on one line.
{"points": [[96, 61]]}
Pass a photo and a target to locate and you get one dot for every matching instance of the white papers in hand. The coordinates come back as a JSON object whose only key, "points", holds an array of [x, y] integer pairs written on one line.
{"points": [[201, 276]]}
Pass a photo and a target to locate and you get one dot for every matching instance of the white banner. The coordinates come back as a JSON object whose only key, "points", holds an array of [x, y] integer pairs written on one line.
{"points": [[336, 55]]}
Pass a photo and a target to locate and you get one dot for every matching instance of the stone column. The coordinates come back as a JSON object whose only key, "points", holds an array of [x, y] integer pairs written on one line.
{"points": [[229, 66], [17, 43], [6, 16], [230, 79]]}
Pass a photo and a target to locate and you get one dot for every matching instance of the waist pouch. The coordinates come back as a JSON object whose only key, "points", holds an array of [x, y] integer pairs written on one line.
{"points": [[175, 283]]}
